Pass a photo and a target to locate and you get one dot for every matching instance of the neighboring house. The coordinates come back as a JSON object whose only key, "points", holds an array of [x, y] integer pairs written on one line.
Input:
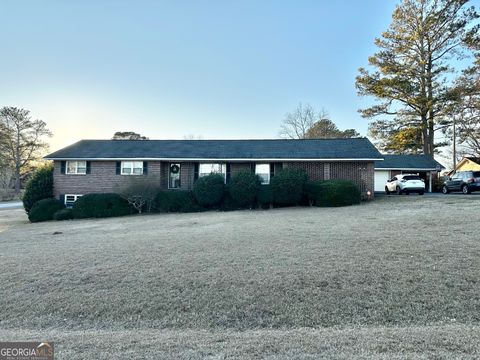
{"points": [[423, 165], [96, 166], [468, 163]]}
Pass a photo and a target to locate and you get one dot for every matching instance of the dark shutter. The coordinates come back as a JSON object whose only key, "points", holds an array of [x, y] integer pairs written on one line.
{"points": [[277, 168], [195, 172], [118, 168], [272, 170], [229, 172], [252, 167], [63, 166], [62, 198], [89, 170], [145, 168]]}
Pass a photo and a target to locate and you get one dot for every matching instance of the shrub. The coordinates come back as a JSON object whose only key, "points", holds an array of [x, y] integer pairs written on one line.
{"points": [[176, 201], [64, 214], [100, 205], [287, 187], [140, 194], [333, 193], [44, 209], [208, 190], [264, 196], [39, 187], [243, 188]]}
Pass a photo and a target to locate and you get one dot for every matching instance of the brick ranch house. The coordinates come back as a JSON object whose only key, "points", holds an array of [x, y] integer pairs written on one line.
{"points": [[100, 166]]}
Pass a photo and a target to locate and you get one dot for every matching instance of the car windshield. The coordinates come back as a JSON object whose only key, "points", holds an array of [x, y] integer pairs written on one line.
{"points": [[411, 178]]}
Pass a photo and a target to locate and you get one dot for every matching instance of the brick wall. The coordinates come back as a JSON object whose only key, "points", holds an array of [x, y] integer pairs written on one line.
{"points": [[361, 173], [102, 178]]}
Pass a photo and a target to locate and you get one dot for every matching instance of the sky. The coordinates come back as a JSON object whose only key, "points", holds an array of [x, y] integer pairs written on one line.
{"points": [[168, 69]]}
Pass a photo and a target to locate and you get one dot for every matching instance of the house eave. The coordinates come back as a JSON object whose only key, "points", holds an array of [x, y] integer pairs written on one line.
{"points": [[213, 159], [408, 169]]}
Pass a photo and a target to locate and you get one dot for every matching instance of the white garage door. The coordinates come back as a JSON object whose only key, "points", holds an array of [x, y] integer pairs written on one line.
{"points": [[381, 177]]}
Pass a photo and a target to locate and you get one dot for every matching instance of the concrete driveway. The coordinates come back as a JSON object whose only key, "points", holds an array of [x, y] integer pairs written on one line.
{"points": [[8, 205]]}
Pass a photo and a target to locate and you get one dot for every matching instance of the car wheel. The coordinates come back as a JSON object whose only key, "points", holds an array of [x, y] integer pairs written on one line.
{"points": [[465, 189], [444, 189], [399, 191], [387, 191], [420, 193]]}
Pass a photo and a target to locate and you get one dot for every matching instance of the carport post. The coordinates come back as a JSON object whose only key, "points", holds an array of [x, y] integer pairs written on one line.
{"points": [[430, 181]]}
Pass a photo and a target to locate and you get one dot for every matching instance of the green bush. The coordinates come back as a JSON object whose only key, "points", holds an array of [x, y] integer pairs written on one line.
{"points": [[176, 201], [39, 187], [264, 196], [44, 209], [208, 190], [101, 205], [287, 187], [243, 188], [333, 193], [64, 214]]}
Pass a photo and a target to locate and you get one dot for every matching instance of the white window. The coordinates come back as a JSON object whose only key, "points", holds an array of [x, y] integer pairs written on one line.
{"points": [[211, 168], [132, 168], [76, 167], [263, 172], [70, 199]]}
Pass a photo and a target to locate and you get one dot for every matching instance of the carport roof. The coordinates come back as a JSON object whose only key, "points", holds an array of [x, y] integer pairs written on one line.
{"points": [[355, 149], [407, 162]]}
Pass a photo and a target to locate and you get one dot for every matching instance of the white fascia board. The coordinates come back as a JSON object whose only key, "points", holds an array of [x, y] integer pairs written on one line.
{"points": [[206, 160], [409, 169]]}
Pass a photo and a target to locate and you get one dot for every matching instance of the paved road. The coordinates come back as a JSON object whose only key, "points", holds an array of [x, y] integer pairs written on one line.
{"points": [[10, 205]]}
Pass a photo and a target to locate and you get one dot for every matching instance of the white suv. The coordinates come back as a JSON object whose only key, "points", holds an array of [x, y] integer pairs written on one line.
{"points": [[405, 183]]}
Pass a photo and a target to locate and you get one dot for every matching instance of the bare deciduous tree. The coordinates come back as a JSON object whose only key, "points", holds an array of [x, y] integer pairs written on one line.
{"points": [[21, 140], [297, 123]]}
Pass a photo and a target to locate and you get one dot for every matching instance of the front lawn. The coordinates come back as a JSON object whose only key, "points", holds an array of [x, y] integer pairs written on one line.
{"points": [[395, 277]]}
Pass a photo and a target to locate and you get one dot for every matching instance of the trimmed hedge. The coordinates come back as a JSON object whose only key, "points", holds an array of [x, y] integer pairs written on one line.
{"points": [[43, 210], [208, 190], [333, 193], [287, 187], [264, 196], [101, 205], [243, 188], [64, 214], [39, 187], [176, 201]]}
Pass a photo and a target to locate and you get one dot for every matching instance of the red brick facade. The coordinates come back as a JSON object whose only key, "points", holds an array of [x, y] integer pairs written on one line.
{"points": [[103, 178]]}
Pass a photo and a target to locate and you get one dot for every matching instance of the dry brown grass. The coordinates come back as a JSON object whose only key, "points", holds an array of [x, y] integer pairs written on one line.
{"points": [[398, 276]]}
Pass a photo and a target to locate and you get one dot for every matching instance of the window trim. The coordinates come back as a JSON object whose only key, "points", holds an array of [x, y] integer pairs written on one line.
{"points": [[262, 173], [76, 196], [223, 166], [132, 173], [76, 167]]}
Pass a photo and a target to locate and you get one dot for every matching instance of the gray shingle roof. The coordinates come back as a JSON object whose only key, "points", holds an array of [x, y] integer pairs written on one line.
{"points": [[356, 148], [406, 162]]}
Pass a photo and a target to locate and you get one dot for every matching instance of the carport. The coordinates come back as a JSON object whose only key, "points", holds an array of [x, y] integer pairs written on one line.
{"points": [[423, 165]]}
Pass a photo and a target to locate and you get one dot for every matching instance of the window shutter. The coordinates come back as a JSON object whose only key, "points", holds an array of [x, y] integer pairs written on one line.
{"points": [[195, 172], [272, 170], [63, 166], [277, 168], [145, 168], [89, 170], [252, 167], [229, 172], [118, 168], [62, 198]]}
